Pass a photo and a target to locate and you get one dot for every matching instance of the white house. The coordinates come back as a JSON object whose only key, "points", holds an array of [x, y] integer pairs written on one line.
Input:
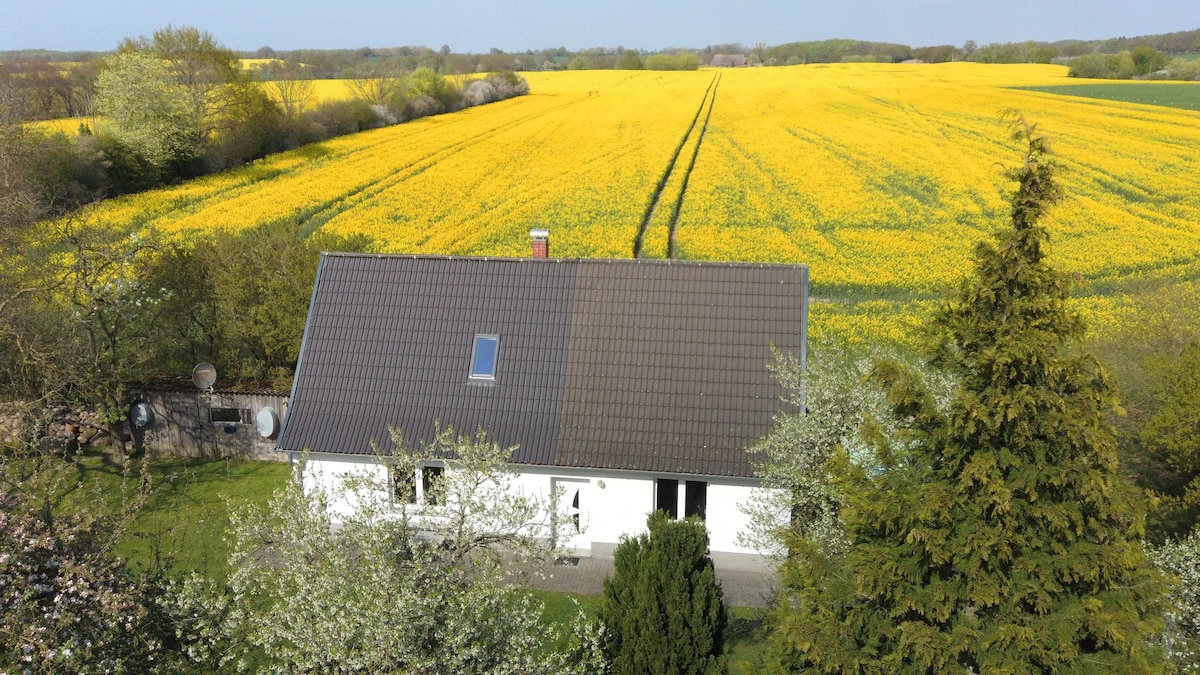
{"points": [[634, 385]]}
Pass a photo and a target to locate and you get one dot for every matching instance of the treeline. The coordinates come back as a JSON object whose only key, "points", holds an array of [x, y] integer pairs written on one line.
{"points": [[178, 105], [1143, 62]]}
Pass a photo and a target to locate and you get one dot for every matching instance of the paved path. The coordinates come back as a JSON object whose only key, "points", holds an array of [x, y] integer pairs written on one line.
{"points": [[743, 588]]}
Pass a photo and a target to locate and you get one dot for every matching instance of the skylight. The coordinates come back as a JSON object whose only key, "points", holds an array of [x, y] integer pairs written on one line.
{"points": [[484, 357]]}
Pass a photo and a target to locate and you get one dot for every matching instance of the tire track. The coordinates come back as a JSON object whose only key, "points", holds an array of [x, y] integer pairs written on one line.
{"points": [[310, 222], [687, 175], [648, 216]]}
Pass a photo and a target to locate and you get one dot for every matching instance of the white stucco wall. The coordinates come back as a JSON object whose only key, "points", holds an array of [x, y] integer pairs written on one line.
{"points": [[611, 504]]}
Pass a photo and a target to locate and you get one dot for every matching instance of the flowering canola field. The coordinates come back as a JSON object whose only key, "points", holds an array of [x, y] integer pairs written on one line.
{"points": [[881, 177]]}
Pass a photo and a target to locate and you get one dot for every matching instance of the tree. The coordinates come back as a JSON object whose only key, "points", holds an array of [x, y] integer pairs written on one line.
{"points": [[200, 66], [628, 60], [1147, 59], [67, 604], [381, 85], [827, 405], [296, 92], [662, 609], [150, 111], [395, 586], [225, 114], [998, 536]]}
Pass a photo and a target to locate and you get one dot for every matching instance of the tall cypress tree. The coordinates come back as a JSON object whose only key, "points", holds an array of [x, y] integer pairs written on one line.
{"points": [[996, 535], [662, 608]]}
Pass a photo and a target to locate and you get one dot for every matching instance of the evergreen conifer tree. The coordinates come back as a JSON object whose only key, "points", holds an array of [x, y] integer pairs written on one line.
{"points": [[662, 608], [996, 534]]}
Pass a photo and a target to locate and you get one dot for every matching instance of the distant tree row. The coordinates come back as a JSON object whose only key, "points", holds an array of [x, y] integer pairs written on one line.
{"points": [[178, 104], [1143, 62]]}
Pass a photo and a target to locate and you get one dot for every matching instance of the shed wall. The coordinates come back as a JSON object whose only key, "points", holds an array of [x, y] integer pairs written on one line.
{"points": [[183, 425]]}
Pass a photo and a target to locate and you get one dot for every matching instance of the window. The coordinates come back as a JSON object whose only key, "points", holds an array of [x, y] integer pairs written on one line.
{"points": [[666, 497], [695, 499], [484, 357], [404, 487], [420, 485], [227, 415], [431, 476]]}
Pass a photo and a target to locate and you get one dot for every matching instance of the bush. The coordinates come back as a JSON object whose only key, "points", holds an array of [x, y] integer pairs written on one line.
{"points": [[662, 609], [338, 118], [422, 106], [1089, 66]]}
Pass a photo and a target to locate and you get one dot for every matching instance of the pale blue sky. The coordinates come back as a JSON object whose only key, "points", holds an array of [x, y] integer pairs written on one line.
{"points": [[468, 25]]}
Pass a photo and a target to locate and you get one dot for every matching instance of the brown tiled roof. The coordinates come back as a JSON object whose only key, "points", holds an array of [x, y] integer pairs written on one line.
{"points": [[619, 364]]}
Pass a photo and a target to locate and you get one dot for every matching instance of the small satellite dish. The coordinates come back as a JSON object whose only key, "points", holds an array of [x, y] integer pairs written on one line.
{"points": [[267, 422], [141, 415], [204, 375]]}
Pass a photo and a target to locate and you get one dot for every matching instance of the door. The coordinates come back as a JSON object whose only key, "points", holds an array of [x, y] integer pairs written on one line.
{"points": [[572, 512]]}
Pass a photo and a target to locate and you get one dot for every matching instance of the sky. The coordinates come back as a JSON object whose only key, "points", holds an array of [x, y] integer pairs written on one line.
{"points": [[518, 25]]}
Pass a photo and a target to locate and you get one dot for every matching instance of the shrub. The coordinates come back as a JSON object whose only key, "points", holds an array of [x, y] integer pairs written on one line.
{"points": [[662, 609]]}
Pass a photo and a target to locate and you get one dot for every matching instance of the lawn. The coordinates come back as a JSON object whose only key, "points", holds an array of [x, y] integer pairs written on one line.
{"points": [[181, 526], [1168, 94]]}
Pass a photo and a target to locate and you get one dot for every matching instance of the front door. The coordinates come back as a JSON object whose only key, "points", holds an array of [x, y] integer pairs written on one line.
{"points": [[572, 510]]}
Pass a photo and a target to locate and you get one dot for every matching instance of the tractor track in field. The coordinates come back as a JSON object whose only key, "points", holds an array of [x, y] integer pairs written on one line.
{"points": [[310, 222], [678, 206], [710, 95]]}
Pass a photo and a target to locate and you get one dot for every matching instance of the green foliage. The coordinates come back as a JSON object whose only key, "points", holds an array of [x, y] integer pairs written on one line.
{"points": [[628, 60], [829, 410], [68, 603], [662, 609], [1150, 357], [1173, 431], [150, 110], [428, 82], [677, 61], [996, 535], [391, 586], [1147, 59], [240, 301]]}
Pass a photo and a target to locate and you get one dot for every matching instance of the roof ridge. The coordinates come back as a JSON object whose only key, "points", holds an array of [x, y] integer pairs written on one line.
{"points": [[624, 261]]}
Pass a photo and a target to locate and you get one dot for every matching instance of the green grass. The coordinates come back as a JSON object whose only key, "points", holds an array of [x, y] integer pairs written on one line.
{"points": [[181, 526], [745, 638], [1173, 95]]}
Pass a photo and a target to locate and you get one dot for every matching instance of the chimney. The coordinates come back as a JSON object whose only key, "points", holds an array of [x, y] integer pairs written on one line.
{"points": [[541, 243]]}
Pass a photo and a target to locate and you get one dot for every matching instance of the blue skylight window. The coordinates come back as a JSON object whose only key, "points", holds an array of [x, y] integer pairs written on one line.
{"points": [[484, 357]]}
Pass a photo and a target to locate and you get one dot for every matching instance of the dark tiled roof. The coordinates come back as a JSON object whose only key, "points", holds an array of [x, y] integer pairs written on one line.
{"points": [[620, 364]]}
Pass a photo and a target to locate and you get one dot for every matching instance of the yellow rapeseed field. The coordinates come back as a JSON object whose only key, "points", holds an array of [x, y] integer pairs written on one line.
{"points": [[881, 177]]}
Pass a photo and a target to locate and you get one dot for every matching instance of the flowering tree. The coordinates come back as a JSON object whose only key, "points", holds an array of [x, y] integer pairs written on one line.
{"points": [[395, 586]]}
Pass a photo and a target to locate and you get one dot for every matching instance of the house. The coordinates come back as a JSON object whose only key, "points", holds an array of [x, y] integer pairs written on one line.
{"points": [[634, 385], [728, 61]]}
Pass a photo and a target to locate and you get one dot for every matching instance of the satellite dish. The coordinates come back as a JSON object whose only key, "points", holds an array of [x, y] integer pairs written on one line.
{"points": [[141, 415], [267, 422], [204, 375]]}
